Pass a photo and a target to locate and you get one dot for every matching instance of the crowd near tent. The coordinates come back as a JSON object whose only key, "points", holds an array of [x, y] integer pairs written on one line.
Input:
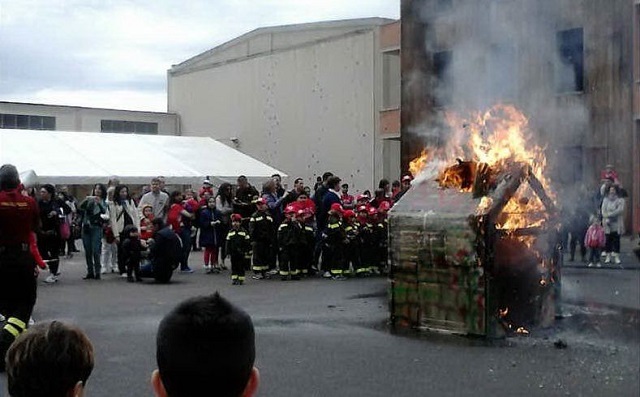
{"points": [[80, 158]]}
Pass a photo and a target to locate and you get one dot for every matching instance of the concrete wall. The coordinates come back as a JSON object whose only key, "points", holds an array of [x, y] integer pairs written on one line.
{"points": [[71, 118], [306, 110]]}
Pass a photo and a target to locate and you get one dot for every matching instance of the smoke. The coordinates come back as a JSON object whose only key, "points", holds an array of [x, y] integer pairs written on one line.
{"points": [[485, 53]]}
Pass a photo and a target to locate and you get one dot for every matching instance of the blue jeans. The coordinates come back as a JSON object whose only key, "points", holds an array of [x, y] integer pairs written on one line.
{"points": [[92, 242]]}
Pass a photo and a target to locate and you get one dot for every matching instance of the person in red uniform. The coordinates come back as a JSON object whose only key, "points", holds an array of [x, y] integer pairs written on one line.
{"points": [[19, 217]]}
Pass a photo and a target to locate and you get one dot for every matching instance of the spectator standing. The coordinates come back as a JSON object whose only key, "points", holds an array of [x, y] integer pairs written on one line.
{"points": [[49, 234], [210, 239], [158, 200], [348, 201], [612, 217], [109, 254], [594, 240], [243, 203], [122, 213], [93, 214], [224, 204], [279, 189], [406, 185], [175, 217]]}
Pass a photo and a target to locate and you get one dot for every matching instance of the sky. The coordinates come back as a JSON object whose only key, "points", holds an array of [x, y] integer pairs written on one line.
{"points": [[116, 53]]}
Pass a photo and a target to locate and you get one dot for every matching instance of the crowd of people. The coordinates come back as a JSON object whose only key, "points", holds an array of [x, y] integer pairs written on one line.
{"points": [[595, 225], [272, 232]]}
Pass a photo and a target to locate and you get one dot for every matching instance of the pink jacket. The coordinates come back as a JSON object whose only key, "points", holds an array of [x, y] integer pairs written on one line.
{"points": [[594, 237]]}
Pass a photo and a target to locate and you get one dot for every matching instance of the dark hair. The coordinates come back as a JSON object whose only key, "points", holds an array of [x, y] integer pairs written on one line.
{"points": [[383, 183], [174, 195], [345, 185], [9, 177], [395, 184], [158, 223], [333, 182], [225, 193], [204, 343], [116, 192], [103, 190], [49, 188], [326, 175], [297, 180], [48, 360]]}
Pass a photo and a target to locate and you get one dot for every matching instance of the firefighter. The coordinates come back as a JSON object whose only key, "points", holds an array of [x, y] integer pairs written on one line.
{"points": [[333, 238], [376, 241], [19, 217], [351, 246], [261, 233], [238, 248], [289, 237]]}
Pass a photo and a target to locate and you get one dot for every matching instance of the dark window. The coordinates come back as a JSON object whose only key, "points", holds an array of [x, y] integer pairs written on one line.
{"points": [[444, 86], [570, 73], [137, 127], [27, 122]]}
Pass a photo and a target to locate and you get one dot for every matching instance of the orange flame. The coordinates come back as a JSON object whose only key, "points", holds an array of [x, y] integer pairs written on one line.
{"points": [[498, 138]]}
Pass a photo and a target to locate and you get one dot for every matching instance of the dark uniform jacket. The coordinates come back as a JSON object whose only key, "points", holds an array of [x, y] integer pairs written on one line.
{"points": [[261, 227], [238, 243]]}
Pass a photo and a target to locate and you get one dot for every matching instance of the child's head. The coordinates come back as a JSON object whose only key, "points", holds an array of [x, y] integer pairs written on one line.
{"points": [[147, 211], [261, 204], [289, 212], [236, 220], [206, 345], [211, 202], [130, 231], [49, 359], [595, 220]]}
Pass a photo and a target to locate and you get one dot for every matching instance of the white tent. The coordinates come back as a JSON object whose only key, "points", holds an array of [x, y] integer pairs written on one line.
{"points": [[64, 157]]}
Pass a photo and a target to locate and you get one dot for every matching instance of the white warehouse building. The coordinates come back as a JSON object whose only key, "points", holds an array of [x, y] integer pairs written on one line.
{"points": [[304, 98]]}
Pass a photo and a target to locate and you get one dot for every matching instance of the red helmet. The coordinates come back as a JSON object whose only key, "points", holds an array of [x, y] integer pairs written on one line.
{"points": [[349, 214], [336, 207], [361, 197], [301, 212], [236, 217], [290, 209], [384, 206], [373, 211], [261, 200], [363, 208]]}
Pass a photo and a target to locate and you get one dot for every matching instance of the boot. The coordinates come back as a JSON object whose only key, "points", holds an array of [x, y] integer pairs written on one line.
{"points": [[607, 258], [616, 258]]}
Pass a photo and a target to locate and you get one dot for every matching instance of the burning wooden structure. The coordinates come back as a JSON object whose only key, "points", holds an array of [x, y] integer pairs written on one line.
{"points": [[471, 253]]}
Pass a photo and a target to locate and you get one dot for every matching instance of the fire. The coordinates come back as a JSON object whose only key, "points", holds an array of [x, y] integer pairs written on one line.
{"points": [[419, 163], [481, 147]]}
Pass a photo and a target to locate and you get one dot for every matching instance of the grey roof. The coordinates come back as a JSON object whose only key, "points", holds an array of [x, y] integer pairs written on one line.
{"points": [[355, 24]]}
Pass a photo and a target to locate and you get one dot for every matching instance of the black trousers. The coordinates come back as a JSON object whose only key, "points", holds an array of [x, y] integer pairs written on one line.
{"points": [[49, 247], [612, 242], [261, 256], [237, 267], [17, 294]]}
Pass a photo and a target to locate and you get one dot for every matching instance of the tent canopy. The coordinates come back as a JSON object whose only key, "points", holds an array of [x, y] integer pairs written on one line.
{"points": [[65, 157]]}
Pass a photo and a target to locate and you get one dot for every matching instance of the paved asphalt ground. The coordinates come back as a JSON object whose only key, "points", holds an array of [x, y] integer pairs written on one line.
{"points": [[330, 338]]}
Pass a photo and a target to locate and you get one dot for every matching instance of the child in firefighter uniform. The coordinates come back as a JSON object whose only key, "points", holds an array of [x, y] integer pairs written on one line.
{"points": [[238, 248], [333, 239], [366, 237], [261, 231], [289, 238], [352, 244], [308, 241]]}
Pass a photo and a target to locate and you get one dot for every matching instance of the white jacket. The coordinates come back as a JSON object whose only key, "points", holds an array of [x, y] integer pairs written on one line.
{"points": [[116, 216]]}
